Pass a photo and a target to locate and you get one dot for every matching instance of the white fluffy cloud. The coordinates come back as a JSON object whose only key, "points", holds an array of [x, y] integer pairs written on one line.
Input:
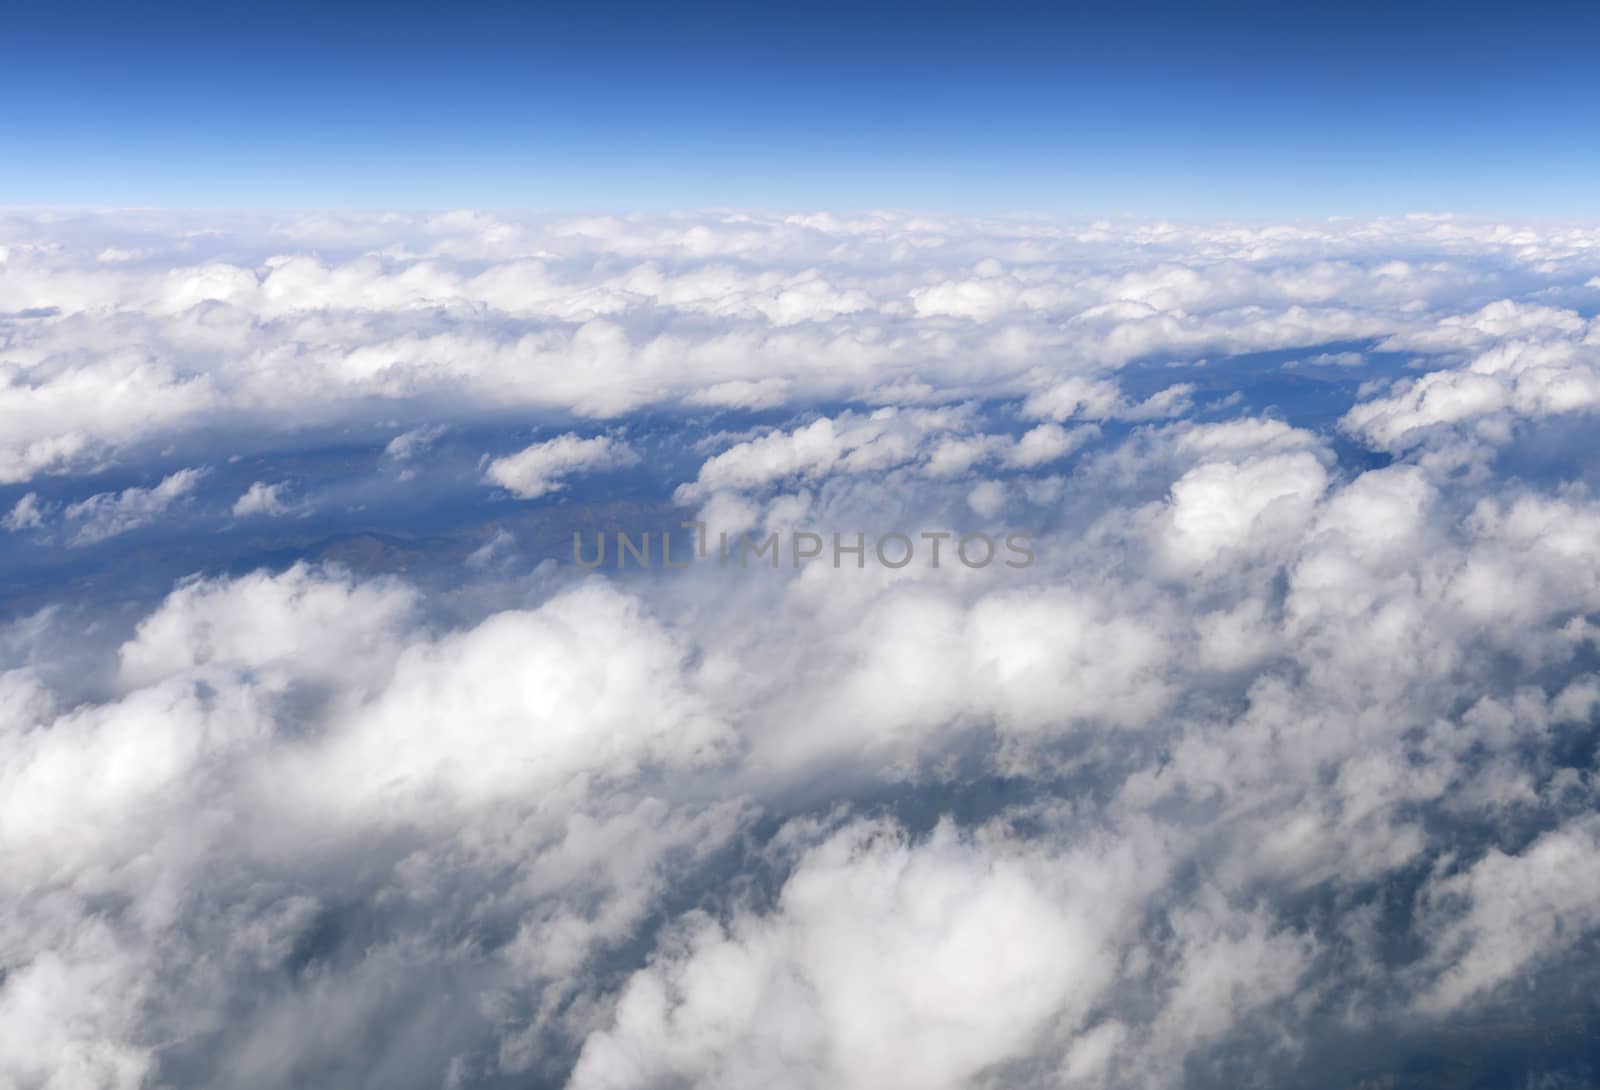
{"points": [[210, 747], [108, 514], [262, 498], [1284, 727], [601, 316], [1099, 399], [540, 469], [1226, 508], [27, 514], [939, 443], [1046, 443], [884, 964], [1519, 909]]}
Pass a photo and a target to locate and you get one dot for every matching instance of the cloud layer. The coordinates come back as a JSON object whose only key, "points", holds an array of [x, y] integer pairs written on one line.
{"points": [[1275, 763]]}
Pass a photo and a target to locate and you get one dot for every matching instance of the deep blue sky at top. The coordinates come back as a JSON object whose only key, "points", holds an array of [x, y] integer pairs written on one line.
{"points": [[1151, 107]]}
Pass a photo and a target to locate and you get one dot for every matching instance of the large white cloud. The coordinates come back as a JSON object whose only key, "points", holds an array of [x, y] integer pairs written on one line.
{"points": [[601, 316], [884, 965], [1274, 733]]}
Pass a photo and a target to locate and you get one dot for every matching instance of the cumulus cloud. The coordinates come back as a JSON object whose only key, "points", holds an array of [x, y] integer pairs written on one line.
{"points": [[1099, 399], [217, 713], [743, 394], [1283, 736], [336, 318], [884, 964], [408, 444], [1224, 508], [27, 514], [263, 499], [107, 514], [936, 442], [1518, 908], [541, 468], [1047, 443]]}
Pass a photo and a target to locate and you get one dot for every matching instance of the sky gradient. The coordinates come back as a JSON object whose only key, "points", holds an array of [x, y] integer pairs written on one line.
{"points": [[1247, 110]]}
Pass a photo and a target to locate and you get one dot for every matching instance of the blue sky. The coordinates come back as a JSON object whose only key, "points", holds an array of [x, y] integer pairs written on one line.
{"points": [[1245, 109]]}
